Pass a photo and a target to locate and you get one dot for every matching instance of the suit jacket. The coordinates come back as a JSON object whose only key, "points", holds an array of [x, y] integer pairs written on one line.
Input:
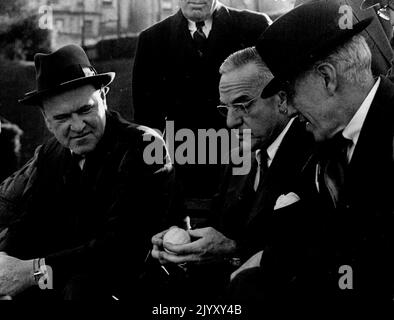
{"points": [[378, 36], [172, 82], [311, 240], [244, 214], [90, 221]]}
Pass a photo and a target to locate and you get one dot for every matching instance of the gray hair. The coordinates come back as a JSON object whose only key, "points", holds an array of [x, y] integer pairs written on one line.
{"points": [[352, 61], [242, 58]]}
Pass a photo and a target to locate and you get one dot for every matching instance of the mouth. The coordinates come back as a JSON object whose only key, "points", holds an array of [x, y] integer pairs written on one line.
{"points": [[80, 136], [197, 4]]}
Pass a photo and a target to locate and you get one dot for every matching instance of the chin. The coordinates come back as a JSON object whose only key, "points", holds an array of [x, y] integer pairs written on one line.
{"points": [[319, 136], [83, 150]]}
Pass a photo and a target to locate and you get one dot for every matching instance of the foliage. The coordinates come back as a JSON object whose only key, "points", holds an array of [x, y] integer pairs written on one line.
{"points": [[23, 38]]}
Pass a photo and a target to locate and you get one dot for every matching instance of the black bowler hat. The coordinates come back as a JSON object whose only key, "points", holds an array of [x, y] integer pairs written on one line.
{"points": [[64, 69], [301, 37]]}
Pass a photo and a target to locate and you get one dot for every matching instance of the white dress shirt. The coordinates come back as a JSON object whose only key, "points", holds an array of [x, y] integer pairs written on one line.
{"points": [[271, 152], [206, 28], [353, 129]]}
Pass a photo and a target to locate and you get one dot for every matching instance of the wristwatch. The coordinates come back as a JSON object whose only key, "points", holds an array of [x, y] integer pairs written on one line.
{"points": [[39, 269]]}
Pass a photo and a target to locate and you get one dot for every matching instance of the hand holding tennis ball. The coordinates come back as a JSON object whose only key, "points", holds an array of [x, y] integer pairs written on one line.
{"points": [[176, 236]]}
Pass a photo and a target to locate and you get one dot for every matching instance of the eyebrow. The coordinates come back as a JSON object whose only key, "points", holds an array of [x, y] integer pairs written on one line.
{"points": [[64, 115], [240, 99]]}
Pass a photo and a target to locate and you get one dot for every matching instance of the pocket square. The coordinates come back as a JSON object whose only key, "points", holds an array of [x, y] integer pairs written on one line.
{"points": [[285, 200]]}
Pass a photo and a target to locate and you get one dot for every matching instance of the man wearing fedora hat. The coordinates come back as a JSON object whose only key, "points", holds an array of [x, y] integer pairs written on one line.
{"points": [[336, 243], [87, 199]]}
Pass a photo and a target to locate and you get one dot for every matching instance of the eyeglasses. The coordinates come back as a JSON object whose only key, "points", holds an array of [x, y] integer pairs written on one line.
{"points": [[240, 108]]}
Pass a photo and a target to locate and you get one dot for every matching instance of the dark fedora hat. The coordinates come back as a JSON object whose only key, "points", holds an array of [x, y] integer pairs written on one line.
{"points": [[301, 37], [62, 70]]}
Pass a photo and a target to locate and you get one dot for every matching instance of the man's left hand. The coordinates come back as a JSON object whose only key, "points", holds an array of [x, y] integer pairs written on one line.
{"points": [[210, 245], [15, 275]]}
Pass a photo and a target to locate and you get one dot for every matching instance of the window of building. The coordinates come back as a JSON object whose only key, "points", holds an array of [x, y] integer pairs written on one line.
{"points": [[108, 3], [88, 27], [166, 5], [59, 23]]}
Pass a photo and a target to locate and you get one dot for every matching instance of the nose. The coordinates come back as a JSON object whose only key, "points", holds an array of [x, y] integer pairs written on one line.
{"points": [[233, 119], [77, 124]]}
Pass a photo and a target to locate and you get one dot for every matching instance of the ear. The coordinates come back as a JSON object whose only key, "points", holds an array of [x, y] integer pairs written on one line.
{"points": [[284, 107], [329, 75], [103, 95], [47, 122]]}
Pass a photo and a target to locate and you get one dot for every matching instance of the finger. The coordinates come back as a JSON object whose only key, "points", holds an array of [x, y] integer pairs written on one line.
{"points": [[5, 298], [198, 233], [156, 255], [155, 252], [185, 249], [3, 253], [157, 242], [172, 258], [159, 236]]}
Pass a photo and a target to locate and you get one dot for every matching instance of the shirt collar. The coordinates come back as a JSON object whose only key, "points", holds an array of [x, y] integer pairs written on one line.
{"points": [[206, 28], [353, 129], [273, 148]]}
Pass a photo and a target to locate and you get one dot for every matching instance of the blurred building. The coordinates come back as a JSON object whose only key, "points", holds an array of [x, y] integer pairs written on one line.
{"points": [[274, 8]]}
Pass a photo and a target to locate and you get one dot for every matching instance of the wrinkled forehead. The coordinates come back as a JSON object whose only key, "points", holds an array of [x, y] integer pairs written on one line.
{"points": [[239, 82]]}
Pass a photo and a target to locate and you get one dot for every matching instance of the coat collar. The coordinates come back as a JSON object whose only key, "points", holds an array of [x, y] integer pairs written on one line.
{"points": [[376, 133], [296, 145], [181, 42]]}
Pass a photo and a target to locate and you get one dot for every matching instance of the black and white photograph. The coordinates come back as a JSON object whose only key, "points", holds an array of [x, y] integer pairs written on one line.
{"points": [[187, 159]]}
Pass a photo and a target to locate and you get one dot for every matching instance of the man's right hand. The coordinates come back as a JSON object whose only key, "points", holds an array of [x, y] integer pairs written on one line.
{"points": [[157, 241]]}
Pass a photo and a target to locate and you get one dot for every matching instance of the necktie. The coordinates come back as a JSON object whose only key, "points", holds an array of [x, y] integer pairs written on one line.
{"points": [[262, 166], [199, 37], [333, 163]]}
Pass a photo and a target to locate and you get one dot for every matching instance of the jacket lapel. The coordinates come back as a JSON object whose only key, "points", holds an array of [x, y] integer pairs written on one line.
{"points": [[180, 40], [279, 172], [368, 163], [222, 40]]}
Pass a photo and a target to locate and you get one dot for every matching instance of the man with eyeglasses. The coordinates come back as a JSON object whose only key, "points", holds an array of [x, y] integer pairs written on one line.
{"points": [[87, 202], [245, 203]]}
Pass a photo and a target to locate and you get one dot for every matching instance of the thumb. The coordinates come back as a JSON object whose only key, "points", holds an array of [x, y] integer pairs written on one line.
{"points": [[196, 233], [2, 253]]}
